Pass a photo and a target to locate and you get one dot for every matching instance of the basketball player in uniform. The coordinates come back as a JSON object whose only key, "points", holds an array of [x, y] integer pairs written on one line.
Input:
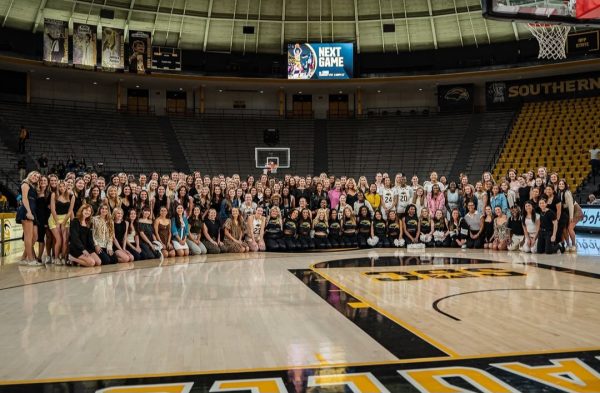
{"points": [[403, 194], [387, 198]]}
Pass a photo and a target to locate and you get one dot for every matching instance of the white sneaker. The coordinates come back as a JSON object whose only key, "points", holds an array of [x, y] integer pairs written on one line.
{"points": [[24, 262], [57, 262], [35, 263], [463, 247]]}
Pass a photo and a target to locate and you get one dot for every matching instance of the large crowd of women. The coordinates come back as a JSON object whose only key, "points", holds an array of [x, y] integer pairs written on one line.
{"points": [[90, 220]]}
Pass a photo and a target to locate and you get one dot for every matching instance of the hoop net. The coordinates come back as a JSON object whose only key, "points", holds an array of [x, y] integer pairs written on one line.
{"points": [[551, 38]]}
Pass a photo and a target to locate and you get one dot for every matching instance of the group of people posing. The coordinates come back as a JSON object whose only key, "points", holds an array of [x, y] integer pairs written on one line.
{"points": [[87, 222]]}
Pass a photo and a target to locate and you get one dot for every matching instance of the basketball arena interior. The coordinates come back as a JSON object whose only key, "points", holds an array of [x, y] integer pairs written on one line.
{"points": [[287, 196]]}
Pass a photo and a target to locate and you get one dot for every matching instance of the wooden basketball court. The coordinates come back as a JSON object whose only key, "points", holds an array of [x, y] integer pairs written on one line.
{"points": [[442, 320]]}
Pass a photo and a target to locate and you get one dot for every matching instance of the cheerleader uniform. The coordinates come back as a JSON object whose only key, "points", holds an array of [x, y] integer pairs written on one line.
{"points": [[274, 235], [304, 239], [412, 227], [426, 236], [320, 238], [393, 232], [364, 231], [290, 230], [335, 237], [349, 234], [380, 230], [22, 212], [440, 226]]}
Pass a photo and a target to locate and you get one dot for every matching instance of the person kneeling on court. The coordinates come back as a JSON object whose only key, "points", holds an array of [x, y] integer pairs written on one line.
{"points": [[81, 242], [180, 230]]}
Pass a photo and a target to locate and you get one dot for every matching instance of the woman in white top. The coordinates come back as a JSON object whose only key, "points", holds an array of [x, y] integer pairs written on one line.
{"points": [[255, 230], [531, 228], [247, 207], [419, 200]]}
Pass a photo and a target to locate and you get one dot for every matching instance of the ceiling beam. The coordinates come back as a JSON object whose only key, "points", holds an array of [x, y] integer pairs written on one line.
{"points": [[462, 43], [233, 26], [7, 12], [433, 33], [381, 27], [407, 29], [38, 15], [155, 19], [394, 22], [207, 26], [131, 5], [487, 31], [472, 26], [515, 31], [181, 24], [257, 27]]}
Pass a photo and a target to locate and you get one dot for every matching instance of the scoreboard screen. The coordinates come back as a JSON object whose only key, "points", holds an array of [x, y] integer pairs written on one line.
{"points": [[166, 59]]}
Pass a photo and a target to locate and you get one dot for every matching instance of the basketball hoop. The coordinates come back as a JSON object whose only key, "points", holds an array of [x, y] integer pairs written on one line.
{"points": [[552, 39]]}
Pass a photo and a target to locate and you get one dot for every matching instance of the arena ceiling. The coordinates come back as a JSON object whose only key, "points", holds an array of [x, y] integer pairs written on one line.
{"points": [[216, 25]]}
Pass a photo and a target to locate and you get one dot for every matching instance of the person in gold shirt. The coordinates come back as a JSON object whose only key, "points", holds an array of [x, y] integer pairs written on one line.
{"points": [[373, 197]]}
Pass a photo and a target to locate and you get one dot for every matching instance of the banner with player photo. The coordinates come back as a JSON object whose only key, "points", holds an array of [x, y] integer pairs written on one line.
{"points": [[56, 42], [113, 49], [84, 46], [140, 52]]}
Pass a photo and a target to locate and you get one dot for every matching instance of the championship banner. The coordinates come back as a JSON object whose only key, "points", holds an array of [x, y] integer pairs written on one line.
{"points": [[56, 41], [140, 52], [320, 61], [113, 48], [456, 98], [84, 46], [166, 59], [514, 92]]}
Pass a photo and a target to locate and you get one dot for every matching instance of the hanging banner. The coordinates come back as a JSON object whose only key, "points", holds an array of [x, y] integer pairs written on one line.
{"points": [[140, 52], [56, 42], [456, 98], [84, 46], [113, 48]]}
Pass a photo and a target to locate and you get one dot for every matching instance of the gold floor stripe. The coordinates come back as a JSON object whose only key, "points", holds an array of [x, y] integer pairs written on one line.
{"points": [[400, 322]]}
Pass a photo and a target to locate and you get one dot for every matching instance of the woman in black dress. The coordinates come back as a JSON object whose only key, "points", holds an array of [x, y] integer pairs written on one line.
{"points": [[81, 241], [27, 218]]}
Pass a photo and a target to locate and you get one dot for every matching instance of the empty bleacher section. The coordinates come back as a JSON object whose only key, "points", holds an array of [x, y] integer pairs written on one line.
{"points": [[227, 145], [141, 143], [554, 134], [413, 145], [122, 142]]}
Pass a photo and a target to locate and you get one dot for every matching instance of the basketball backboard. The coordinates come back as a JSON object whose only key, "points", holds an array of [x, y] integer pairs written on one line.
{"points": [[570, 12]]}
